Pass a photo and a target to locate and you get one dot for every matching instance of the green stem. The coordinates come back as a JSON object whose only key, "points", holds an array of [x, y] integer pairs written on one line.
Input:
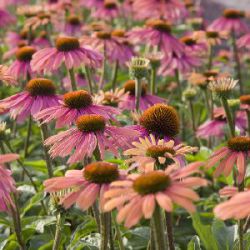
{"points": [[237, 62], [158, 227], [45, 135], [191, 106], [27, 140], [137, 94], [248, 120], [169, 225], [114, 76], [210, 58], [229, 116], [105, 230], [59, 228], [17, 223], [241, 222], [206, 97], [102, 78], [118, 234], [97, 216], [72, 79], [177, 78], [152, 80], [88, 76]]}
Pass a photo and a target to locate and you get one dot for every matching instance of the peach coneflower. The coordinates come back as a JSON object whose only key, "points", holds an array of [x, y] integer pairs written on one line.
{"points": [[151, 153], [73, 105], [91, 132], [38, 95], [138, 195], [6, 77], [235, 153]]}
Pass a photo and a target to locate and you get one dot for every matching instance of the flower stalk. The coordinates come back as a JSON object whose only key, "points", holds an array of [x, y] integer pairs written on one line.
{"points": [[105, 230], [169, 226], [72, 79], [88, 76], [114, 76], [230, 120], [59, 228], [27, 139]]}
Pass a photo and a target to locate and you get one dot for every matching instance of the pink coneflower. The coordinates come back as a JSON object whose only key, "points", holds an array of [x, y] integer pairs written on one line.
{"points": [[238, 207], [68, 51], [107, 11], [5, 18], [80, 81], [216, 127], [146, 99], [6, 77], [42, 19], [171, 10], [73, 105], [151, 153], [21, 68], [14, 39], [193, 45], [230, 22], [211, 37], [7, 183], [84, 187], [41, 41], [137, 196], [91, 132], [157, 33], [245, 102], [73, 25], [38, 95], [228, 191], [235, 153], [183, 63], [161, 120], [244, 41], [92, 3]]}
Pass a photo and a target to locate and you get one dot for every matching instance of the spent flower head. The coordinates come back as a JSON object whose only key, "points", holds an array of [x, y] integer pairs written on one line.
{"points": [[189, 93], [223, 86], [138, 67]]}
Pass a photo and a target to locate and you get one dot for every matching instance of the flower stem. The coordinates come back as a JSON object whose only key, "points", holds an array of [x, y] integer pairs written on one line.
{"points": [[241, 222], [102, 78], [27, 140], [210, 58], [17, 223], [177, 78], [137, 94], [229, 116], [45, 135], [169, 225], [191, 106], [206, 97], [105, 230], [114, 76], [237, 62], [72, 79], [153, 79], [118, 233], [248, 120], [88, 76], [159, 233], [59, 227]]}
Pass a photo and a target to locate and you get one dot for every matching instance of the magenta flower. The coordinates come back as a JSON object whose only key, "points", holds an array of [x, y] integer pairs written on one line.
{"points": [[157, 33], [86, 185], [73, 105], [91, 132], [107, 11], [7, 183], [194, 46], [38, 95], [171, 10], [21, 68], [184, 63], [236, 153], [73, 25], [5, 18], [146, 100], [68, 51], [244, 41], [91, 3], [42, 40], [230, 21], [216, 127]]}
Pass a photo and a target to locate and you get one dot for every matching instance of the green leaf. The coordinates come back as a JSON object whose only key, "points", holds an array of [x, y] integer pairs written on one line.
{"points": [[205, 233], [194, 243], [224, 235], [39, 165], [246, 241]]}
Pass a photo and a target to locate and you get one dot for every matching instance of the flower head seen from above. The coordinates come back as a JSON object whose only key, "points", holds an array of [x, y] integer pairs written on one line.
{"points": [[223, 86], [7, 183], [73, 105], [84, 187], [91, 133], [160, 120], [137, 195], [38, 95], [230, 22], [69, 51], [238, 207], [146, 100], [235, 153], [151, 153], [21, 67], [6, 77]]}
